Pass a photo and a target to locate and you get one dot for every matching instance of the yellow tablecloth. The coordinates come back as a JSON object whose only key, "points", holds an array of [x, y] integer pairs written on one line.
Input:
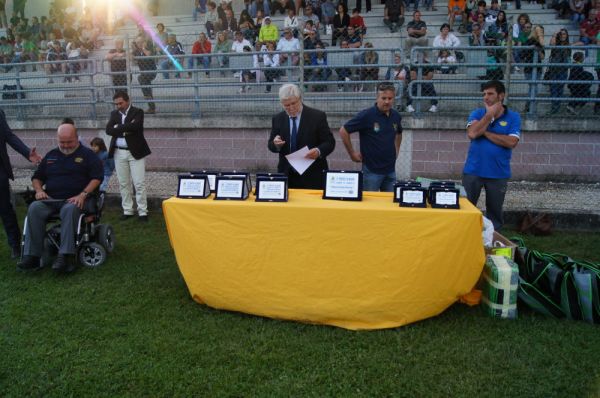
{"points": [[357, 265]]}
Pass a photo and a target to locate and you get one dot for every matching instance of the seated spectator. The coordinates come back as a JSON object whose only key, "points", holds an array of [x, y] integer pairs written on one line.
{"points": [[309, 15], [427, 89], [268, 31], [291, 22], [327, 13], [258, 20], [578, 8], [558, 55], [579, 90], [89, 36], [493, 10], [282, 6], [393, 14], [247, 27], [321, 72], [75, 52], [272, 64], [290, 45], [238, 46], [341, 21], [353, 38], [456, 11], [117, 58], [445, 38], [30, 52], [55, 53], [417, 33], [500, 28], [222, 46], [358, 22], [314, 5], [447, 62], [175, 49], [68, 32], [212, 17], [199, 7], [310, 36], [259, 5], [399, 74], [34, 29], [344, 74], [481, 9], [589, 29], [63, 181], [229, 23], [493, 70], [369, 57], [201, 46], [17, 52]]}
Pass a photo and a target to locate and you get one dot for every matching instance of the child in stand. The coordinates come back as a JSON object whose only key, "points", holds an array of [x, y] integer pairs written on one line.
{"points": [[99, 148], [447, 62]]}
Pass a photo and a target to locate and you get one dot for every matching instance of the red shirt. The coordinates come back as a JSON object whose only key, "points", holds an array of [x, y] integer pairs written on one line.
{"points": [[590, 28], [199, 49], [354, 21]]}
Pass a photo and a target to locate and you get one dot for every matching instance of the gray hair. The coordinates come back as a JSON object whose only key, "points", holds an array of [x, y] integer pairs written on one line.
{"points": [[288, 91]]}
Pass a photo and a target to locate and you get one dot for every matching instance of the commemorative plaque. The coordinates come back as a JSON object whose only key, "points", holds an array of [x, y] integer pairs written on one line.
{"points": [[271, 188], [411, 196], [232, 187], [212, 176], [235, 173], [193, 186], [444, 198], [401, 184], [343, 185]]}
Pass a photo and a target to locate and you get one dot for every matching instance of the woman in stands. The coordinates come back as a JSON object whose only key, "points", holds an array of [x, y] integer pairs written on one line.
{"points": [[369, 57], [247, 26], [535, 55], [341, 21], [222, 46], [558, 56], [321, 72], [271, 62]]}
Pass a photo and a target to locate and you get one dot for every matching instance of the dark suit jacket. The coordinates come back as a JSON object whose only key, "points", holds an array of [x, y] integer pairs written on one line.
{"points": [[8, 137], [313, 132], [132, 131]]}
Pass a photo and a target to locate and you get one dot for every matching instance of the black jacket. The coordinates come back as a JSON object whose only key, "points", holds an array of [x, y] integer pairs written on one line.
{"points": [[8, 137], [132, 130]]}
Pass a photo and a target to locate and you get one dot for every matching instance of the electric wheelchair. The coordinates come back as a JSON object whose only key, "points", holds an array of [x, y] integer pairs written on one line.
{"points": [[93, 240]]}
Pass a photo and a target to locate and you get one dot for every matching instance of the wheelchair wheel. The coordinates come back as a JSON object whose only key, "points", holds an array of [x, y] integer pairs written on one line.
{"points": [[92, 254], [106, 237], [49, 252]]}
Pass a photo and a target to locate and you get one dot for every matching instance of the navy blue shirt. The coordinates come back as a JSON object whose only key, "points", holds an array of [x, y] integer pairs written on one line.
{"points": [[377, 138], [66, 176]]}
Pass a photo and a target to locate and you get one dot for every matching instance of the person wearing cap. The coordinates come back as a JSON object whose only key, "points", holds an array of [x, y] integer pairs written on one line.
{"points": [[268, 31], [380, 131]]}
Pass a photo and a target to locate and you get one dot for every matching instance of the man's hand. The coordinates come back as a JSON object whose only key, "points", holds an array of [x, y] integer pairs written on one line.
{"points": [[78, 200], [278, 142], [41, 195], [313, 154], [356, 156], [495, 110], [34, 157]]}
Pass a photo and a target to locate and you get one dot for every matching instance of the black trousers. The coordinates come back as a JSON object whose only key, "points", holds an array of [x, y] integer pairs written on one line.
{"points": [[7, 212], [359, 5], [495, 191]]}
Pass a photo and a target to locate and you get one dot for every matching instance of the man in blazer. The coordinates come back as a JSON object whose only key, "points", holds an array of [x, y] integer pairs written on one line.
{"points": [[129, 148], [7, 212], [296, 127]]}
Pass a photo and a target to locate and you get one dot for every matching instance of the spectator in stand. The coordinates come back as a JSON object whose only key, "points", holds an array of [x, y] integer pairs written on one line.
{"points": [[290, 45], [588, 30], [229, 23], [493, 10], [521, 32], [175, 49], [353, 38], [238, 46], [211, 19], [358, 22], [445, 38], [310, 36], [118, 63], [562, 8], [341, 21], [427, 89], [344, 74], [89, 36], [579, 90], [558, 56], [533, 55], [481, 9], [258, 5], [578, 8], [68, 32], [55, 53], [268, 31], [258, 20], [19, 7], [6, 52], [272, 63], [456, 11], [247, 27], [500, 28], [393, 14], [328, 13], [291, 22], [18, 52], [399, 74], [315, 7], [447, 62], [282, 6], [477, 38], [417, 33], [321, 72], [201, 46], [224, 5], [35, 28], [359, 6], [309, 15], [143, 48], [369, 57], [162, 34], [222, 46], [75, 52], [30, 52], [199, 7]]}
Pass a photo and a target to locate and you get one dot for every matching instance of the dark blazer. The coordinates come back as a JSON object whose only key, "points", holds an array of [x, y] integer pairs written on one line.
{"points": [[313, 132], [8, 137], [132, 131]]}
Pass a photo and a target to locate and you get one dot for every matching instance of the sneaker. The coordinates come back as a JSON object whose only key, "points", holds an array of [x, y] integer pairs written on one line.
{"points": [[236, 74], [143, 218], [410, 109], [433, 109], [571, 110], [242, 90]]}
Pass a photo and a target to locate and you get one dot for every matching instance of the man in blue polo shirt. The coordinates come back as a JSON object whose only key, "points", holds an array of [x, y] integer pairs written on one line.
{"points": [[62, 182], [494, 131], [380, 132]]}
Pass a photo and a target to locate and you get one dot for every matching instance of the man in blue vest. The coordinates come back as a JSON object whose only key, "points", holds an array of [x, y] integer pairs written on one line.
{"points": [[494, 131]]}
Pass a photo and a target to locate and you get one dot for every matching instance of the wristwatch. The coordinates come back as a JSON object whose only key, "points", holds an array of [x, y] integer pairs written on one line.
{"points": [[85, 193]]}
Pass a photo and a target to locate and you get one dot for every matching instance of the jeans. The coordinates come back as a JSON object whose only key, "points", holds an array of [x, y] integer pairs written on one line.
{"points": [[254, 7], [200, 9], [532, 89], [193, 61], [378, 182], [557, 90], [165, 65], [495, 190]]}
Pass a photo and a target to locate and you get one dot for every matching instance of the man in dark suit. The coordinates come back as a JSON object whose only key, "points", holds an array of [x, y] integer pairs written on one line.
{"points": [[129, 148], [296, 127], [7, 212]]}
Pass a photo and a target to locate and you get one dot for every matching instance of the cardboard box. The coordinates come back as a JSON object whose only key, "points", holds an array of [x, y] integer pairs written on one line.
{"points": [[501, 246]]}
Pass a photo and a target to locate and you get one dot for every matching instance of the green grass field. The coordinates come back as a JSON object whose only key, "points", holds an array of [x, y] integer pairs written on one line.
{"points": [[130, 328]]}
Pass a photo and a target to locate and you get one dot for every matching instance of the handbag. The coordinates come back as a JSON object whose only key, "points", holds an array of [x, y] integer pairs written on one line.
{"points": [[540, 224]]}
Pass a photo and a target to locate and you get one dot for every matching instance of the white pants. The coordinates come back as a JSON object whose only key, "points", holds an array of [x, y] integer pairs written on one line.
{"points": [[131, 170]]}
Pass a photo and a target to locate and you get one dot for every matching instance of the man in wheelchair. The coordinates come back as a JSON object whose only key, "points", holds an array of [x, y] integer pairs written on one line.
{"points": [[62, 183]]}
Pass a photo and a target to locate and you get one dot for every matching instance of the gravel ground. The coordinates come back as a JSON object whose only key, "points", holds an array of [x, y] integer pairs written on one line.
{"points": [[521, 195]]}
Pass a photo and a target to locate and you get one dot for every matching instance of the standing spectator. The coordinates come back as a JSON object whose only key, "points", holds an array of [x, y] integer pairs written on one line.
{"points": [[118, 63], [417, 33], [327, 13], [175, 49], [199, 7], [3, 21], [534, 55], [7, 212], [344, 74], [99, 147], [341, 21], [290, 45], [142, 49], [494, 131], [521, 32], [427, 89], [268, 31], [558, 56], [201, 46], [238, 46], [222, 46], [212, 17], [579, 90]]}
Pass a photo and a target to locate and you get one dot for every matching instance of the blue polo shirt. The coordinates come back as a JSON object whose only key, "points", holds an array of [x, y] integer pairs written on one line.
{"points": [[377, 138], [486, 159], [67, 175]]}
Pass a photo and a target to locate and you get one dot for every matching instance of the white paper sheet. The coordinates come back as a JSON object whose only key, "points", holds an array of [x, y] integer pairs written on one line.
{"points": [[299, 161]]}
